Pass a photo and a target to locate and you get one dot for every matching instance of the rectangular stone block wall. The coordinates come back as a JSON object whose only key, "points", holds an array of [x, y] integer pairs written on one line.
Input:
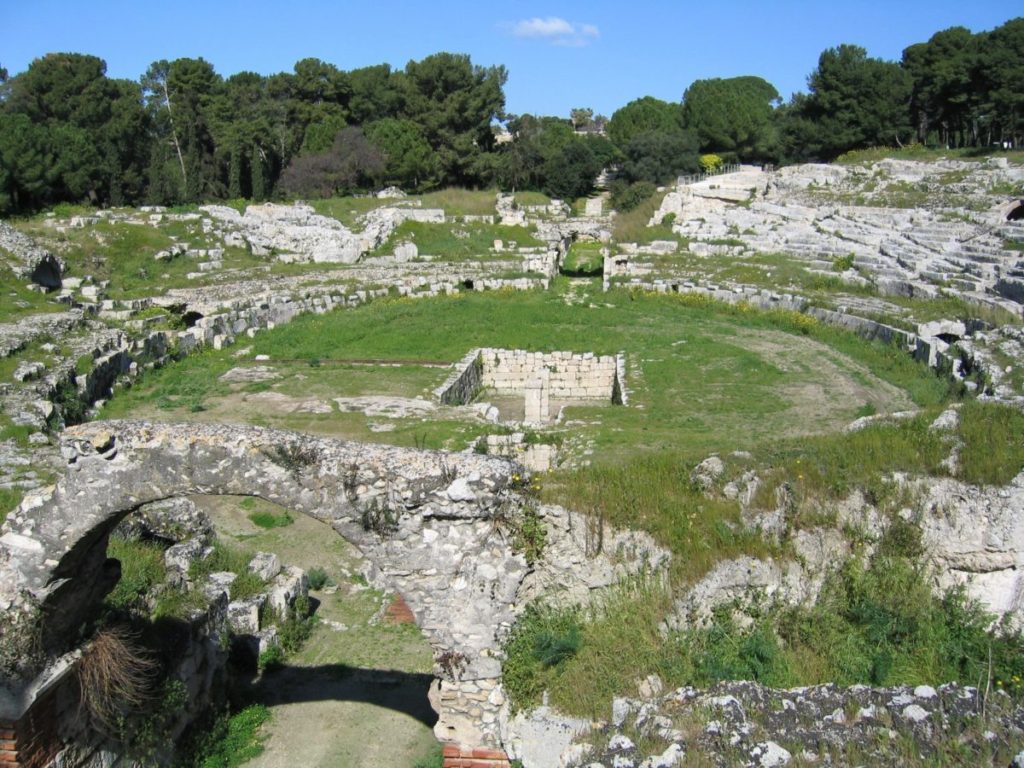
{"points": [[570, 376], [462, 386]]}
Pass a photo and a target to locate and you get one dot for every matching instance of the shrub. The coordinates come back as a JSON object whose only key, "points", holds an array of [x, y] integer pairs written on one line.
{"points": [[318, 578], [271, 658], [710, 163], [529, 534], [723, 651], [843, 263], [626, 198], [114, 676]]}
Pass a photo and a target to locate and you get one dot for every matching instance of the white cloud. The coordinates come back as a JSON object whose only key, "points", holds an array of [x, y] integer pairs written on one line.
{"points": [[555, 30]]}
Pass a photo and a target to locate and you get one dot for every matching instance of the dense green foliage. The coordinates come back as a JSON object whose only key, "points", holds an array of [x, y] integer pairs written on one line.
{"points": [[185, 133], [733, 116]]}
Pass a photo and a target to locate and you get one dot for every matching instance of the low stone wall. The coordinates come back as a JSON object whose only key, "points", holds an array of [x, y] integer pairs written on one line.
{"points": [[566, 375], [463, 385], [570, 376], [926, 350]]}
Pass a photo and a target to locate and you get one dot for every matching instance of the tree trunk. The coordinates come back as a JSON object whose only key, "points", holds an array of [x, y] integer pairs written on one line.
{"points": [[174, 137]]}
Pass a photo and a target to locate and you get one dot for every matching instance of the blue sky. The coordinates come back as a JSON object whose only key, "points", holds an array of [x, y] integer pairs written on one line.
{"points": [[559, 54]]}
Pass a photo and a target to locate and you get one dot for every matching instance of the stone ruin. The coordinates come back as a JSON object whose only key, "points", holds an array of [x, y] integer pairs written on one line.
{"points": [[538, 377], [434, 526]]}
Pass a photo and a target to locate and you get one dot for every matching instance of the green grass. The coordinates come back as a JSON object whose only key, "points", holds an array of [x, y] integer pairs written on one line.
{"points": [[922, 153], [17, 301], [993, 436], [142, 570], [184, 385], [229, 557], [270, 520], [631, 227], [123, 254], [830, 467], [700, 382], [584, 259], [234, 740], [456, 242], [878, 622], [433, 759], [10, 498], [348, 210], [460, 202], [654, 493]]}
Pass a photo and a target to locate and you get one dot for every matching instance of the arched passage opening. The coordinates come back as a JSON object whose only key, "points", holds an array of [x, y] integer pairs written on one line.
{"points": [[425, 521], [359, 662], [1013, 211]]}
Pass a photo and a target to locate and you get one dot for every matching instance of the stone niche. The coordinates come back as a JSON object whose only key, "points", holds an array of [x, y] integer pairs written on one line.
{"points": [[539, 377]]}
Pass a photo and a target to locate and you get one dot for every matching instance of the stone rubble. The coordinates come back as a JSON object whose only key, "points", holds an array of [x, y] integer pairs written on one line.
{"points": [[746, 724]]}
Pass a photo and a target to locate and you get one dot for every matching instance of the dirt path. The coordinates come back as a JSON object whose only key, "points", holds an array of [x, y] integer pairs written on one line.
{"points": [[355, 696], [324, 716]]}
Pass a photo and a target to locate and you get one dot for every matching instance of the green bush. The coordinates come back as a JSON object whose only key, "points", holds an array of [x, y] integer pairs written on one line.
{"points": [[723, 651], [271, 658], [530, 535], [318, 578], [626, 198], [710, 163], [879, 622], [843, 263]]}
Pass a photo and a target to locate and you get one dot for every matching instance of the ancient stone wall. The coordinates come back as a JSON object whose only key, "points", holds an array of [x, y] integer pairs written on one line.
{"points": [[566, 375], [425, 520], [432, 525], [467, 380], [570, 376]]}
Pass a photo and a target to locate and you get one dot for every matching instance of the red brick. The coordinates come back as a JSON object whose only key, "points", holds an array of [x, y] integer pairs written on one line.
{"points": [[451, 750], [399, 612], [490, 754], [9, 756]]}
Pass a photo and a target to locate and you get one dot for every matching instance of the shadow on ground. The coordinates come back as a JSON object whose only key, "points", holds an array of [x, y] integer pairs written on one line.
{"points": [[402, 692]]}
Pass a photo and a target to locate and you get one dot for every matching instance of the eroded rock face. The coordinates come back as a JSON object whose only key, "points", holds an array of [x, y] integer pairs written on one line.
{"points": [[297, 233], [975, 537], [971, 536], [30, 261], [170, 520]]}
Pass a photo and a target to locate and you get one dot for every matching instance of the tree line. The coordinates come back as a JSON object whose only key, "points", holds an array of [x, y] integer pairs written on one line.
{"points": [[183, 133]]}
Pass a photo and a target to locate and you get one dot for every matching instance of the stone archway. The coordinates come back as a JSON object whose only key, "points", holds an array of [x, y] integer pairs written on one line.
{"points": [[428, 521]]}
